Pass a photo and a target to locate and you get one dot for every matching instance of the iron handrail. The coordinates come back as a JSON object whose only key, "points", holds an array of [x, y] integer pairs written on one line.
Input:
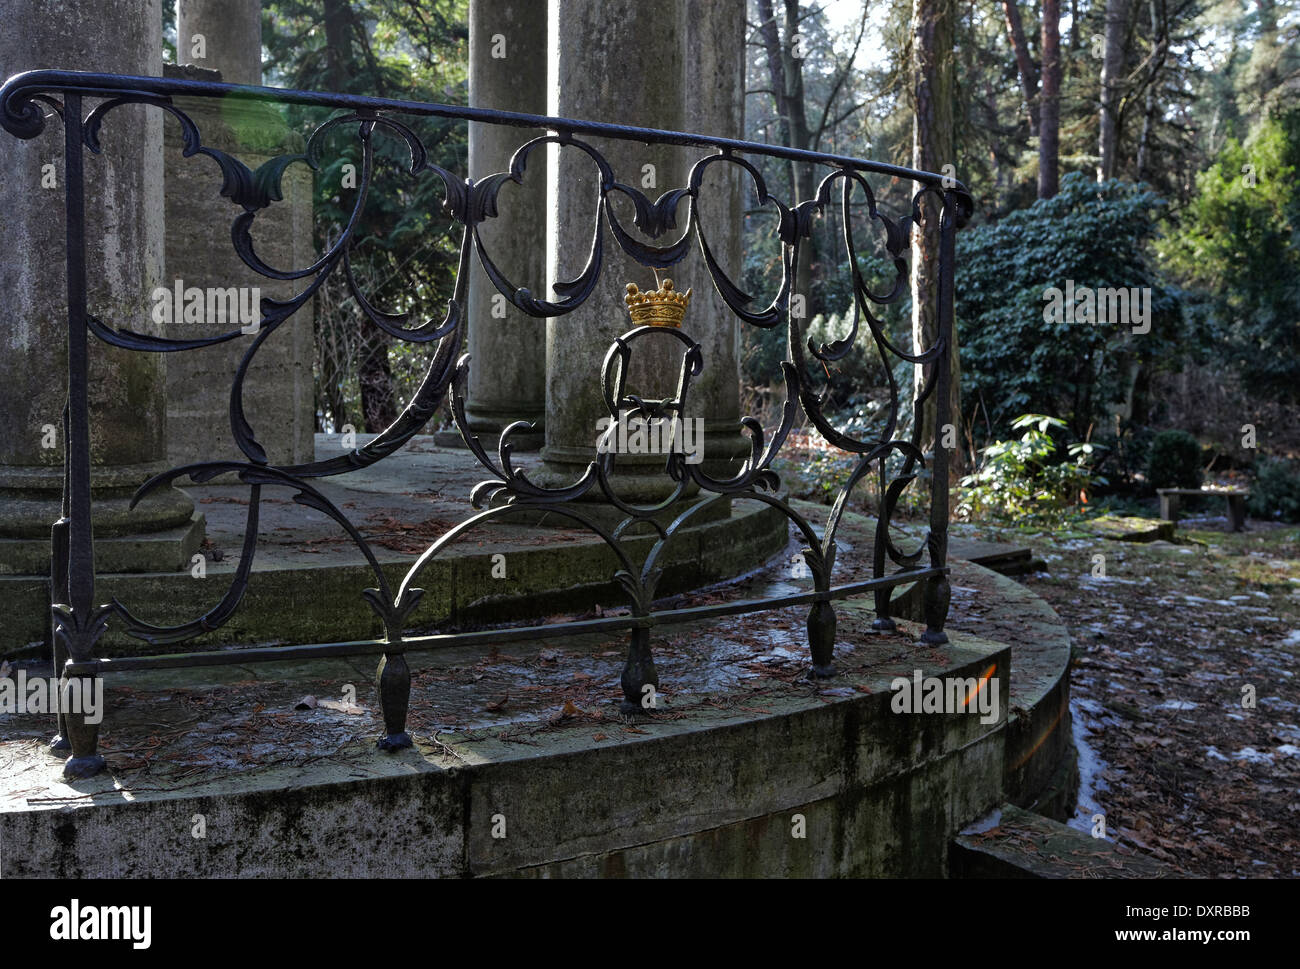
{"points": [[78, 622]]}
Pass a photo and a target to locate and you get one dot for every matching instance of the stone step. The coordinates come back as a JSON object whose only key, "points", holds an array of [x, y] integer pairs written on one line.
{"points": [[1132, 528], [998, 556], [1014, 843]]}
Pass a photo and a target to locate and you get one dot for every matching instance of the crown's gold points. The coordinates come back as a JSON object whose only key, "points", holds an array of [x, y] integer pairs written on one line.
{"points": [[660, 307]]}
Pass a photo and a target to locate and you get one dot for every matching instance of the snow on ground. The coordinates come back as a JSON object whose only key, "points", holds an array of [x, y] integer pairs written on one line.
{"points": [[1183, 692]]}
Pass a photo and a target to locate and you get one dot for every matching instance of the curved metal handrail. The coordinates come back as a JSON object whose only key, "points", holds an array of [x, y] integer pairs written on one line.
{"points": [[79, 622]]}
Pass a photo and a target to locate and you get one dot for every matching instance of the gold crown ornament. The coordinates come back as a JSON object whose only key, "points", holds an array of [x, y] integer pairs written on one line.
{"points": [[661, 307]]}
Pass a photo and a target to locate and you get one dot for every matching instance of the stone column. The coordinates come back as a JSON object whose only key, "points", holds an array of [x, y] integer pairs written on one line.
{"points": [[279, 395], [221, 35], [221, 40], [714, 90], [507, 71], [672, 65], [124, 261]]}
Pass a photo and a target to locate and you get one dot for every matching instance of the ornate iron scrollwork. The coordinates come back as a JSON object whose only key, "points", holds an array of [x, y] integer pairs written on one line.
{"points": [[24, 100]]}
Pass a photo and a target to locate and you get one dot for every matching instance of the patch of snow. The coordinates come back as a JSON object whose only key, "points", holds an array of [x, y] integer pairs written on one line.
{"points": [[986, 823], [1252, 756], [1091, 765], [1289, 750], [1177, 705], [1107, 578], [1213, 754], [1277, 703]]}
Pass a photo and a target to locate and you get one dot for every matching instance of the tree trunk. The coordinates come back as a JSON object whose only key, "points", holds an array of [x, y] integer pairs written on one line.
{"points": [[1024, 64], [995, 156], [378, 402], [1112, 69], [786, 73], [338, 46], [932, 148], [1049, 114], [331, 371], [768, 30], [803, 177], [378, 407], [1149, 109]]}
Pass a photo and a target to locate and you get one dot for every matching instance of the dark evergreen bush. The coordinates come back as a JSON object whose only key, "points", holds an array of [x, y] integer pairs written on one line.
{"points": [[1174, 461], [1015, 360], [1276, 492]]}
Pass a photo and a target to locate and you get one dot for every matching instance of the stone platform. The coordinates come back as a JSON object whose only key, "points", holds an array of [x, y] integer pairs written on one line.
{"points": [[308, 575], [523, 766]]}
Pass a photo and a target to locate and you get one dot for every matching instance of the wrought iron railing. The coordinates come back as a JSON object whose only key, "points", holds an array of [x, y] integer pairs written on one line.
{"points": [[83, 101]]}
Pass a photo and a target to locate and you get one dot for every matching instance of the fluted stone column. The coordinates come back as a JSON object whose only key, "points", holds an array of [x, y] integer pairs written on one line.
{"points": [[221, 35], [676, 65], [124, 263], [507, 71]]}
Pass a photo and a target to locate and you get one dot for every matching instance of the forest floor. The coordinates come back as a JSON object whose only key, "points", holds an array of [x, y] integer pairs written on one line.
{"points": [[1185, 698]]}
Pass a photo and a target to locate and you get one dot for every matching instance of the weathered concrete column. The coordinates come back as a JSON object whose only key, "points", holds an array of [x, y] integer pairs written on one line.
{"points": [[124, 260], [672, 65], [714, 91], [221, 35], [223, 38], [279, 395], [507, 71]]}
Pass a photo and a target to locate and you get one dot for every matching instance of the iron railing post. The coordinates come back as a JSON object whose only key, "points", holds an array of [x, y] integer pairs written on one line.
{"points": [[393, 679], [76, 625], [938, 592]]}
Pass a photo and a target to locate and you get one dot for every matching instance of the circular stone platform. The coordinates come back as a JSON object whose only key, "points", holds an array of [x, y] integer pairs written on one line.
{"points": [[522, 765], [308, 576]]}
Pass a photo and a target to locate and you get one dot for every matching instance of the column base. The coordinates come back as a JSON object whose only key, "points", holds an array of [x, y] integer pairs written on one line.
{"points": [[488, 425], [166, 551], [532, 441], [160, 534]]}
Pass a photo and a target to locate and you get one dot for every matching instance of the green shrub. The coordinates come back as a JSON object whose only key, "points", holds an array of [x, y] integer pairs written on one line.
{"points": [[1235, 250], [1015, 359], [1174, 461], [1276, 492], [1023, 481]]}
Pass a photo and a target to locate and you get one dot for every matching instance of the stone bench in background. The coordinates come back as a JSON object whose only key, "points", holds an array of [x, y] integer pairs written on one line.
{"points": [[1170, 498]]}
